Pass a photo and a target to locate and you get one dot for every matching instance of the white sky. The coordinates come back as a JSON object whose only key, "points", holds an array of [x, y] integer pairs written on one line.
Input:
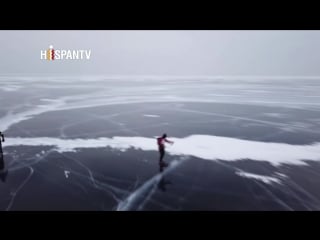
{"points": [[187, 53]]}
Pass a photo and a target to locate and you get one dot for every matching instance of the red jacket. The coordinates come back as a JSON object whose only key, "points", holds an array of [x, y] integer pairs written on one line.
{"points": [[161, 141]]}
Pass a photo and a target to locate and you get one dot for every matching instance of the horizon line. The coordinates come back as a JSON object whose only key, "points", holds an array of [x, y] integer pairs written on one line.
{"points": [[161, 75]]}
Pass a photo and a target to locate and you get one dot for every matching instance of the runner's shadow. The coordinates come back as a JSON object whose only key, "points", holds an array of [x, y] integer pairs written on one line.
{"points": [[1, 161], [3, 173], [163, 182]]}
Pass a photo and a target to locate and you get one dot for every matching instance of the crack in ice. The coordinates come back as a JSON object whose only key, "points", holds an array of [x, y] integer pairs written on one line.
{"points": [[14, 194]]}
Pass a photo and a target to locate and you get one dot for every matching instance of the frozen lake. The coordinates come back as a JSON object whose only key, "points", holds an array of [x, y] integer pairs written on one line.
{"points": [[89, 143]]}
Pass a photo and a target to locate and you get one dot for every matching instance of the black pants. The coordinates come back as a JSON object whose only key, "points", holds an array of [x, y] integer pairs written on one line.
{"points": [[1, 158], [162, 152]]}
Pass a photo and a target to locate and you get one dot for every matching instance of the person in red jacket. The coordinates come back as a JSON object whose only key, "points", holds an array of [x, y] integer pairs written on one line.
{"points": [[161, 146]]}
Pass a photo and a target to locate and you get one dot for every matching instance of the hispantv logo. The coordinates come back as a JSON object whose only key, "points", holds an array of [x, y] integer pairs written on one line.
{"points": [[61, 54]]}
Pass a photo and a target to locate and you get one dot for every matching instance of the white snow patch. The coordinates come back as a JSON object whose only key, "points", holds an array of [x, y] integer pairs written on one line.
{"points": [[10, 88], [150, 115], [66, 173], [275, 115], [201, 146], [281, 175], [265, 179]]}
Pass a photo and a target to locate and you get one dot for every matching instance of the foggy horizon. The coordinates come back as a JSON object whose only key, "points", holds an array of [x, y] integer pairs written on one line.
{"points": [[165, 53]]}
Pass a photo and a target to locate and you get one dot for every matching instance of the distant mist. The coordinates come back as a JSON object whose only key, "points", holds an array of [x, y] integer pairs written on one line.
{"points": [[186, 53]]}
